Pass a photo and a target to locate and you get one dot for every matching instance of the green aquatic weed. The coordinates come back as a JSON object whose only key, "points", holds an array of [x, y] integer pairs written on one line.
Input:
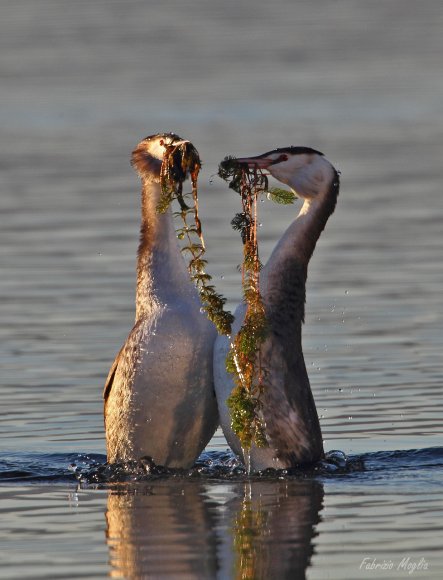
{"points": [[179, 160], [281, 196], [243, 360]]}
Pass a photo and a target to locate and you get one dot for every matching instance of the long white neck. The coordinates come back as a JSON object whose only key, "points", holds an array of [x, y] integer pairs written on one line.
{"points": [[284, 276], [161, 271], [313, 179], [298, 242]]}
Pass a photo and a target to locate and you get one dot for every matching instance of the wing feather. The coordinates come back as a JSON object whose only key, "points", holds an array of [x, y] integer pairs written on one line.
{"points": [[111, 375]]}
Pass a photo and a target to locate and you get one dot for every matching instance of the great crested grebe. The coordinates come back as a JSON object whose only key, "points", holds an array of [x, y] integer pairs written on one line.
{"points": [[159, 394], [288, 411]]}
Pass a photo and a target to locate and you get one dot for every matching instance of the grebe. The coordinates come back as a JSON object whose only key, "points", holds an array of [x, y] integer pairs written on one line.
{"points": [[159, 394], [288, 413]]}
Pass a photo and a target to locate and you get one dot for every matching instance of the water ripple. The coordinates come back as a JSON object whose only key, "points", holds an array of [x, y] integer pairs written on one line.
{"points": [[92, 469]]}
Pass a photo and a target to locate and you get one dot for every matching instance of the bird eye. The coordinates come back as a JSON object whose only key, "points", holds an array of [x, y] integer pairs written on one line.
{"points": [[280, 158]]}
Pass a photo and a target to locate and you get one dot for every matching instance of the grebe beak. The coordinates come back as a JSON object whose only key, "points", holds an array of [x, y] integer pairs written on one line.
{"points": [[256, 162], [261, 162]]}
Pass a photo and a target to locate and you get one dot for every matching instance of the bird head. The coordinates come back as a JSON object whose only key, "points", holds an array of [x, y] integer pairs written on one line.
{"points": [[147, 157], [304, 170]]}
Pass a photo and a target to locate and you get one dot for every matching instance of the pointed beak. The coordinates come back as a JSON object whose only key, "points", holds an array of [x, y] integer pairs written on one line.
{"points": [[182, 142], [258, 162]]}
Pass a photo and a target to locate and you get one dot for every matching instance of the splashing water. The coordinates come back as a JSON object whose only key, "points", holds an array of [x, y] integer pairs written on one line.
{"points": [[35, 468]]}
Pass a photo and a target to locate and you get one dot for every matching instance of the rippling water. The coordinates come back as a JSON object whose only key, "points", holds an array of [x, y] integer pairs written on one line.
{"points": [[81, 84]]}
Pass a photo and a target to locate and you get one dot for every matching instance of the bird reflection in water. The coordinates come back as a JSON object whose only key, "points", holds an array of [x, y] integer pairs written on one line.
{"points": [[194, 529], [161, 530]]}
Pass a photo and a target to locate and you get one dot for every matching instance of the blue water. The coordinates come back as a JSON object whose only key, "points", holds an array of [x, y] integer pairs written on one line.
{"points": [[410, 466], [214, 521], [81, 83]]}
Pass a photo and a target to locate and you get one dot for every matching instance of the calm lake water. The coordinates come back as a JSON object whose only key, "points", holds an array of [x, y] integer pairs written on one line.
{"points": [[81, 83]]}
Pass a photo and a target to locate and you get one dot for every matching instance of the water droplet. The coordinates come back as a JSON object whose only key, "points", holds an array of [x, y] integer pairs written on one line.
{"points": [[260, 225], [346, 291], [202, 310], [340, 390], [222, 277], [247, 458], [350, 417]]}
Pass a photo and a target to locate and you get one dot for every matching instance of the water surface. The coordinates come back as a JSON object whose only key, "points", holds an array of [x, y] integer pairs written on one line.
{"points": [[81, 84]]}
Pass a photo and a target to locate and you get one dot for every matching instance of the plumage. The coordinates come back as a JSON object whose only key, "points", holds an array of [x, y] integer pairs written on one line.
{"points": [[288, 412], [159, 396]]}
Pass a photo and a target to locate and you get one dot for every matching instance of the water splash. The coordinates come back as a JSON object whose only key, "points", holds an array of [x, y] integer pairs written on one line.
{"points": [[247, 458], [92, 469]]}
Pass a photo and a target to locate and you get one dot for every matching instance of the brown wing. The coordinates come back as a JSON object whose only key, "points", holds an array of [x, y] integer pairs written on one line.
{"points": [[111, 375], [132, 339]]}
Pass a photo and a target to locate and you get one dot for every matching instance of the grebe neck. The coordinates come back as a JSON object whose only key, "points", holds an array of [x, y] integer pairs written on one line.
{"points": [[161, 271]]}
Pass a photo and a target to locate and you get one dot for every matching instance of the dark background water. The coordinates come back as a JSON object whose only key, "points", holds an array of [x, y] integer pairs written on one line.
{"points": [[81, 83]]}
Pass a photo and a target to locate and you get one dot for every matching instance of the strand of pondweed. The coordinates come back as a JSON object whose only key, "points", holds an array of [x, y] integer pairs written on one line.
{"points": [[244, 357], [179, 160], [250, 526]]}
